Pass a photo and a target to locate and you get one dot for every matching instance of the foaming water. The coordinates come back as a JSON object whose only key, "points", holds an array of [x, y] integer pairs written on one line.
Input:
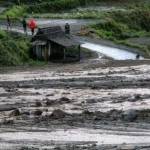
{"points": [[78, 135], [115, 53]]}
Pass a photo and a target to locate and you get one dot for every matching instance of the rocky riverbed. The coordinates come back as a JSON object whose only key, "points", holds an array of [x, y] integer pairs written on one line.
{"points": [[89, 105]]}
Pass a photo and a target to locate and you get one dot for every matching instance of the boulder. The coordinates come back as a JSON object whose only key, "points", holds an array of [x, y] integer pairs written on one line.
{"points": [[64, 100], [126, 147], [130, 115], [15, 112], [50, 102], [26, 113], [57, 114], [137, 96], [7, 107], [8, 121], [38, 104], [37, 112]]}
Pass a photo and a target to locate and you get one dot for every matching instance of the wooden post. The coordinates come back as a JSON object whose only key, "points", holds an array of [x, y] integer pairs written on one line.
{"points": [[46, 53], [64, 54], [79, 52], [49, 51]]}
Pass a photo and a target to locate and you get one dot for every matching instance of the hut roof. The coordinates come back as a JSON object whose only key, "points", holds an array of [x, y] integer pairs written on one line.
{"points": [[38, 42], [56, 35]]}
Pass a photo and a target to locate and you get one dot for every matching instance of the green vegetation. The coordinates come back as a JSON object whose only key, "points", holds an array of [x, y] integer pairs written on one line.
{"points": [[53, 6], [14, 50], [47, 6], [16, 11], [68, 8], [88, 14], [121, 26], [85, 53], [116, 25]]}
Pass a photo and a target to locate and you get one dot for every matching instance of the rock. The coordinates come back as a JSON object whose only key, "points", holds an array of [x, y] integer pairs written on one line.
{"points": [[7, 107], [87, 112], [26, 113], [52, 94], [11, 90], [37, 112], [45, 113], [130, 115], [28, 148], [15, 112], [91, 101], [67, 87], [64, 100], [132, 100], [57, 114], [144, 114], [50, 102], [37, 93], [126, 147], [66, 93], [137, 97], [114, 114], [8, 121], [38, 104], [57, 148]]}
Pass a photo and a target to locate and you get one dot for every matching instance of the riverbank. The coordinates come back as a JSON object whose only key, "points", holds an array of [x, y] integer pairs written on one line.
{"points": [[110, 49], [78, 66], [108, 22], [123, 27], [16, 49]]}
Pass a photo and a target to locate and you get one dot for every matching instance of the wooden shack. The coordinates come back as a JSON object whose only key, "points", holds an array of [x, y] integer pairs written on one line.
{"points": [[52, 44]]}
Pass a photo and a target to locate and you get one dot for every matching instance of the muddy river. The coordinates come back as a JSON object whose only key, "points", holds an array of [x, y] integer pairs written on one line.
{"points": [[82, 108]]}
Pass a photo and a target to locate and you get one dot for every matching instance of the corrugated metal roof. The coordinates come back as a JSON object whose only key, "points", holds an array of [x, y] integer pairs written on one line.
{"points": [[38, 42], [65, 41], [57, 35]]}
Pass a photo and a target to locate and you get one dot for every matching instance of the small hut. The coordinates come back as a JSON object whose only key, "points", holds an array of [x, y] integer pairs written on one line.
{"points": [[52, 44]]}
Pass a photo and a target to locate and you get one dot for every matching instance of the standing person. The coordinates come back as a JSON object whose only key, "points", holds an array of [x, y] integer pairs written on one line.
{"points": [[24, 24], [32, 31], [67, 28], [138, 56], [8, 22], [32, 25]]}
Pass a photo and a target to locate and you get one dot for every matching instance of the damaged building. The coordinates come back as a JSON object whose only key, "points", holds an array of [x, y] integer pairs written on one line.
{"points": [[52, 44]]}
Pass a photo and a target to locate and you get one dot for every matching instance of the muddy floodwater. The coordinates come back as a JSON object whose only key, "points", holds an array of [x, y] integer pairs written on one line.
{"points": [[81, 106]]}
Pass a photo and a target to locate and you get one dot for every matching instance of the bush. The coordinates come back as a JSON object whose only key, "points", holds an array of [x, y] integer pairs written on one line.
{"points": [[112, 29], [13, 50], [16, 11], [53, 6], [137, 19], [57, 5]]}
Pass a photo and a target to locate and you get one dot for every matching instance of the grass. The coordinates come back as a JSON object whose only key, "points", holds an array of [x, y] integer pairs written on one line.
{"points": [[120, 26], [14, 12], [91, 14], [55, 6], [14, 50], [46, 6]]}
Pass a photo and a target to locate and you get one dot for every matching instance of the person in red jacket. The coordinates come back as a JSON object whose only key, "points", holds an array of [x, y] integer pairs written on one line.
{"points": [[32, 25]]}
